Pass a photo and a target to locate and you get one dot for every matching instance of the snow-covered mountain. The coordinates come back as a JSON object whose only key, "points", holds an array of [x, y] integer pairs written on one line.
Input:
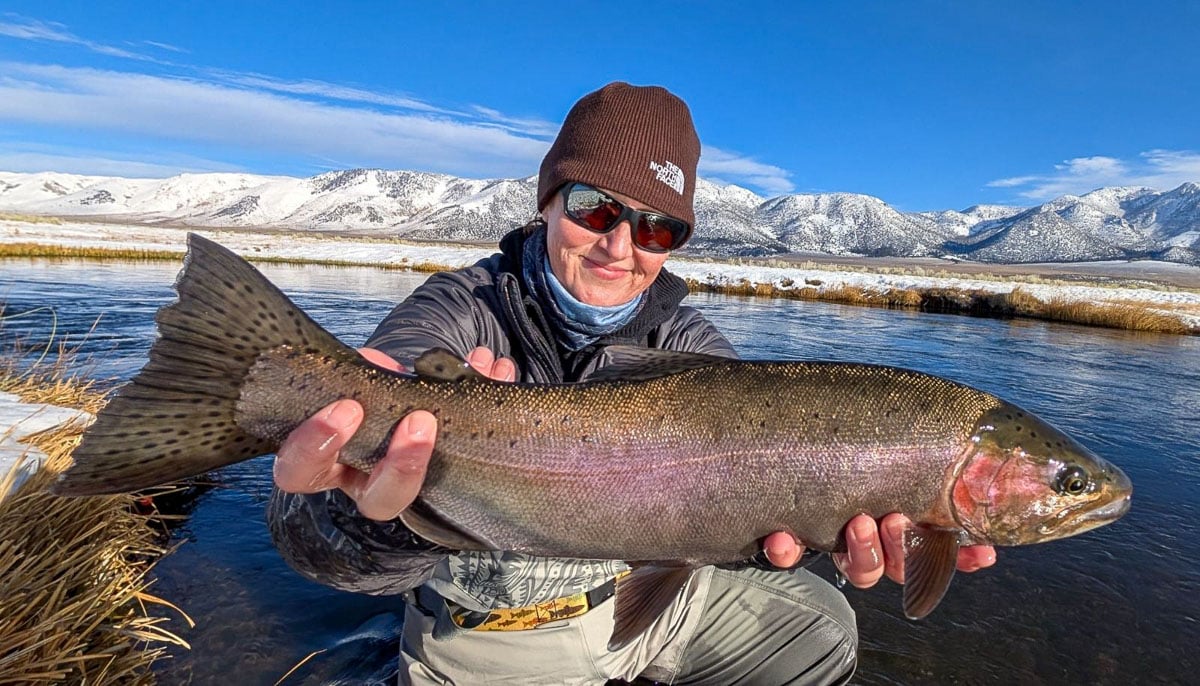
{"points": [[1108, 223]]}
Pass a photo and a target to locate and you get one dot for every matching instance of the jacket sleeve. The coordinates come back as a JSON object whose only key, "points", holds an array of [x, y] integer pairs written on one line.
{"points": [[324, 538], [322, 535]]}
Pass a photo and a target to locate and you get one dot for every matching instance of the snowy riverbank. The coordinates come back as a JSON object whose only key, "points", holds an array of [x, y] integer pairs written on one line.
{"points": [[1183, 304]]}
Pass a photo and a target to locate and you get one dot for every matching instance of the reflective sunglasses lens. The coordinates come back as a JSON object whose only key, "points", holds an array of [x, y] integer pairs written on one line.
{"points": [[594, 209], [659, 234]]}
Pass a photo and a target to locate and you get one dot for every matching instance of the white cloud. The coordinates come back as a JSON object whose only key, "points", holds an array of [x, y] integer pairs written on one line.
{"points": [[745, 171], [312, 121], [196, 110], [1159, 169], [324, 89], [32, 29], [165, 46], [106, 163]]}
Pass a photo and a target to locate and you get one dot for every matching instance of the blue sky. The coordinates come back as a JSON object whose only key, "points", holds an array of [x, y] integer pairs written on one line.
{"points": [[927, 105]]}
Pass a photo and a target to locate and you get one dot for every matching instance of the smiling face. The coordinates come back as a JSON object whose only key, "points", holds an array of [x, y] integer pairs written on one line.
{"points": [[602, 270]]}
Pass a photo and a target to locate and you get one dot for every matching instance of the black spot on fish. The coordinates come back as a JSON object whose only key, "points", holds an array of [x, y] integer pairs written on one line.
{"points": [[512, 444], [474, 435], [490, 433], [537, 422]]}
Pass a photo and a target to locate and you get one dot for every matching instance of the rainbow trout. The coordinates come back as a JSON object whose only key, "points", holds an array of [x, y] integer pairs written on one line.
{"points": [[667, 460]]}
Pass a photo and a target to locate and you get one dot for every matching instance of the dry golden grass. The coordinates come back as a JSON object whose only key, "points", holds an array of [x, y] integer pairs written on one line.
{"points": [[1131, 315], [73, 571], [62, 251], [28, 218], [1115, 316]]}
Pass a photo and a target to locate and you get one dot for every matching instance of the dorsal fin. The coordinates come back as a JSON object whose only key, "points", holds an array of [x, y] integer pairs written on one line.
{"points": [[439, 364], [630, 363]]}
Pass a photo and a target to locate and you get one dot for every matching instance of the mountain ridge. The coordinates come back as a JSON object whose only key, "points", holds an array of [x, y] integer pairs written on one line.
{"points": [[1111, 223]]}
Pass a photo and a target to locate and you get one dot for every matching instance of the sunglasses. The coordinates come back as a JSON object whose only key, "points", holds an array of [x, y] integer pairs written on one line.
{"points": [[596, 211]]}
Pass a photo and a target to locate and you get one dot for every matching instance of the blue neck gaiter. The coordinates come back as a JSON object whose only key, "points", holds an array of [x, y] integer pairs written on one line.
{"points": [[576, 324]]}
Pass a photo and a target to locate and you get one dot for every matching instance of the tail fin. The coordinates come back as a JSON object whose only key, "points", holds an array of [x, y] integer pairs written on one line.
{"points": [[176, 417]]}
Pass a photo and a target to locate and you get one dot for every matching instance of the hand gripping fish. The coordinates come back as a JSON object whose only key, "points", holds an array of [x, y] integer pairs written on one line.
{"points": [[667, 460]]}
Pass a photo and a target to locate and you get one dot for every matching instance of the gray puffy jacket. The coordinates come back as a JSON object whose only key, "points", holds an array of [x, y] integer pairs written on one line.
{"points": [[325, 538]]}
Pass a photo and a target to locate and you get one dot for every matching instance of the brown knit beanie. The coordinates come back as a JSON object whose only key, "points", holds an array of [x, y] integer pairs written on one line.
{"points": [[635, 140]]}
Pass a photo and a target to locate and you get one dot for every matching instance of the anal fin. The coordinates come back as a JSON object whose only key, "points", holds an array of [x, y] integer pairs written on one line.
{"points": [[643, 595], [930, 558]]}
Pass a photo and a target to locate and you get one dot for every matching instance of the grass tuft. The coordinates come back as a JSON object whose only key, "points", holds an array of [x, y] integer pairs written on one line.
{"points": [[1017, 303], [73, 571]]}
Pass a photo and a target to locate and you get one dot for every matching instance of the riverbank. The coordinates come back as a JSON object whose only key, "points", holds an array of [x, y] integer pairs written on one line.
{"points": [[1122, 296], [73, 571]]}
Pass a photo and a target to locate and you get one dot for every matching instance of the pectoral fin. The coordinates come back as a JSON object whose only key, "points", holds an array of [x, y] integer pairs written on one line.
{"points": [[643, 595], [429, 524], [930, 558]]}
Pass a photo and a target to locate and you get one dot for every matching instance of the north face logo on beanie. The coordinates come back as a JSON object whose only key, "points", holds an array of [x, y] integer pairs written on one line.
{"points": [[669, 174]]}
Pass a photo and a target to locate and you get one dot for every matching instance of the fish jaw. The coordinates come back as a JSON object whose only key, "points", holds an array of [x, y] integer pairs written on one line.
{"points": [[1026, 482]]}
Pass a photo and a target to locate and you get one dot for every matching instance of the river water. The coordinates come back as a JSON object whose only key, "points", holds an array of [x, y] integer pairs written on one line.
{"points": [[1117, 605]]}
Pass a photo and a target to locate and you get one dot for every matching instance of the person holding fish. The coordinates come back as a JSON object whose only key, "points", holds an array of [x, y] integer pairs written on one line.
{"points": [[615, 196]]}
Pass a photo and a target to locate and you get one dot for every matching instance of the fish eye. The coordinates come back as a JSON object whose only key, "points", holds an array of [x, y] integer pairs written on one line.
{"points": [[1071, 480]]}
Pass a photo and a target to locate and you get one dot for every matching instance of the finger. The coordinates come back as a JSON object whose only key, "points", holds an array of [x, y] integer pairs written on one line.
{"points": [[863, 561], [380, 359], [782, 549], [504, 370], [306, 461], [396, 479], [891, 534], [976, 557], [481, 359]]}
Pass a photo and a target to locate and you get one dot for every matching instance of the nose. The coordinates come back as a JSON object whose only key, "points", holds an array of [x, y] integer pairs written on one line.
{"points": [[619, 242]]}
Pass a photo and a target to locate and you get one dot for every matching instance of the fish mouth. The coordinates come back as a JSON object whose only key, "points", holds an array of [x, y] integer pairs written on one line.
{"points": [[1085, 517]]}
